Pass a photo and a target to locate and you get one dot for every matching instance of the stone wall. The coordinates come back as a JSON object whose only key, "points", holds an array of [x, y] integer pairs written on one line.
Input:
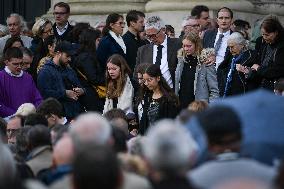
{"points": [[171, 11]]}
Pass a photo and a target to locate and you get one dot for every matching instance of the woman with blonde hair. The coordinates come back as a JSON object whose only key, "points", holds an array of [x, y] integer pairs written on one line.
{"points": [[120, 91], [194, 80]]}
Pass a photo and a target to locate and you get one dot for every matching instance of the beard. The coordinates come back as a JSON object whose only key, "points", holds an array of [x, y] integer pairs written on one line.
{"points": [[62, 63]]}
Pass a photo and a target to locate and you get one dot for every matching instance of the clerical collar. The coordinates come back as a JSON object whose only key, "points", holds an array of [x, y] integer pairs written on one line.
{"points": [[11, 74]]}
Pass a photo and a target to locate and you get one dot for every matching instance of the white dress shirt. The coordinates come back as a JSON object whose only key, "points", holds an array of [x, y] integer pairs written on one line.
{"points": [[63, 30], [164, 62], [221, 53]]}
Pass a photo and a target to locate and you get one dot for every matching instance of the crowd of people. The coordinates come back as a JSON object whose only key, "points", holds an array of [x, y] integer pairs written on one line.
{"points": [[93, 107]]}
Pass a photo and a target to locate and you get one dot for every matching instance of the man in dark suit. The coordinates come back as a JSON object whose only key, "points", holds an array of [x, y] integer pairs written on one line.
{"points": [[217, 38], [61, 27], [161, 51]]}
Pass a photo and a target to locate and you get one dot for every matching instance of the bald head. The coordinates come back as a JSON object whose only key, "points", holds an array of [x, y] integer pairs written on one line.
{"points": [[63, 151], [91, 127]]}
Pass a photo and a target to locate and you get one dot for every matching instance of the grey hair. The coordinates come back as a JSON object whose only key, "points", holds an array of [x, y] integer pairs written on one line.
{"points": [[90, 127], [22, 21], [186, 18], [135, 146], [7, 163], [154, 22], [238, 38], [168, 147]]}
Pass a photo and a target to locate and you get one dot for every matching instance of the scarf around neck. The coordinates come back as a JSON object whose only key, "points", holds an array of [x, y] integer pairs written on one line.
{"points": [[119, 40]]}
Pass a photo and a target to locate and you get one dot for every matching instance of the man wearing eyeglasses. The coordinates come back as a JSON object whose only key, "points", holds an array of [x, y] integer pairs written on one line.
{"points": [[16, 86], [191, 25], [161, 51], [61, 27], [13, 126]]}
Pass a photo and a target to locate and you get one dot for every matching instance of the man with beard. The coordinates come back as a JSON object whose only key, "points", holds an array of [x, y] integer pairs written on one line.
{"points": [[57, 79]]}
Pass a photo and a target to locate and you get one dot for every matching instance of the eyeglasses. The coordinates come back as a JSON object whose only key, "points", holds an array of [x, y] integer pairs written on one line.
{"points": [[12, 132], [59, 13], [26, 63], [149, 80], [50, 31], [120, 23], [192, 26], [151, 36]]}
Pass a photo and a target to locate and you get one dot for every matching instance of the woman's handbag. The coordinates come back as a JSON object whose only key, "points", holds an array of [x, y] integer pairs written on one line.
{"points": [[101, 90]]}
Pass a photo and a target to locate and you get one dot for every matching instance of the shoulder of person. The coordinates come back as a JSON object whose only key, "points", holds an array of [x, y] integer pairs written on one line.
{"points": [[176, 41], [4, 38], [210, 32]]}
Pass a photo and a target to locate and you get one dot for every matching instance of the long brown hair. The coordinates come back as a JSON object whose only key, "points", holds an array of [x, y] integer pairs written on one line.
{"points": [[115, 86]]}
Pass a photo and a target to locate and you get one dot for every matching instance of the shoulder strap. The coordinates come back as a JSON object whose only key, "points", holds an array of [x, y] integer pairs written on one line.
{"points": [[81, 74]]}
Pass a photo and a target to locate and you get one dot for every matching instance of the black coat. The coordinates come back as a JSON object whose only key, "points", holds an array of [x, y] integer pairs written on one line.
{"points": [[270, 73], [66, 36], [107, 47], [239, 85], [168, 108], [88, 65], [132, 44]]}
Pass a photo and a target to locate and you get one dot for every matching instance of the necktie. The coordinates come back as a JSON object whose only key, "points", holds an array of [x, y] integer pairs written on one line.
{"points": [[218, 43], [159, 55]]}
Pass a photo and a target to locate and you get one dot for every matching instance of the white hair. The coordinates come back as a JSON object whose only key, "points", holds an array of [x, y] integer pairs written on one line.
{"points": [[91, 127], [206, 53], [154, 22], [7, 163], [23, 23], [238, 38], [168, 147], [26, 109]]}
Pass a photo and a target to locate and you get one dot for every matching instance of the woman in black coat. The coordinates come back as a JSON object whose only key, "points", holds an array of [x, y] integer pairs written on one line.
{"points": [[112, 42], [270, 48], [89, 71], [157, 99]]}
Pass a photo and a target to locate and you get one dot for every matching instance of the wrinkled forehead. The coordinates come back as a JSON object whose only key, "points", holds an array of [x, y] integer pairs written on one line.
{"points": [[191, 21], [14, 123], [13, 20]]}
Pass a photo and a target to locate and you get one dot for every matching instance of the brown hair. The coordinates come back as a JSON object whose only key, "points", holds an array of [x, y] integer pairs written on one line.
{"points": [[197, 106], [64, 5], [272, 24], [141, 68], [115, 87], [195, 39]]}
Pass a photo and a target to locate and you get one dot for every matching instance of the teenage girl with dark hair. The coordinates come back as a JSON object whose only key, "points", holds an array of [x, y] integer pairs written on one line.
{"points": [[157, 99]]}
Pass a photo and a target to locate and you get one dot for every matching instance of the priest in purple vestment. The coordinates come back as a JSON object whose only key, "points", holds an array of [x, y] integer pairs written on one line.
{"points": [[16, 86]]}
